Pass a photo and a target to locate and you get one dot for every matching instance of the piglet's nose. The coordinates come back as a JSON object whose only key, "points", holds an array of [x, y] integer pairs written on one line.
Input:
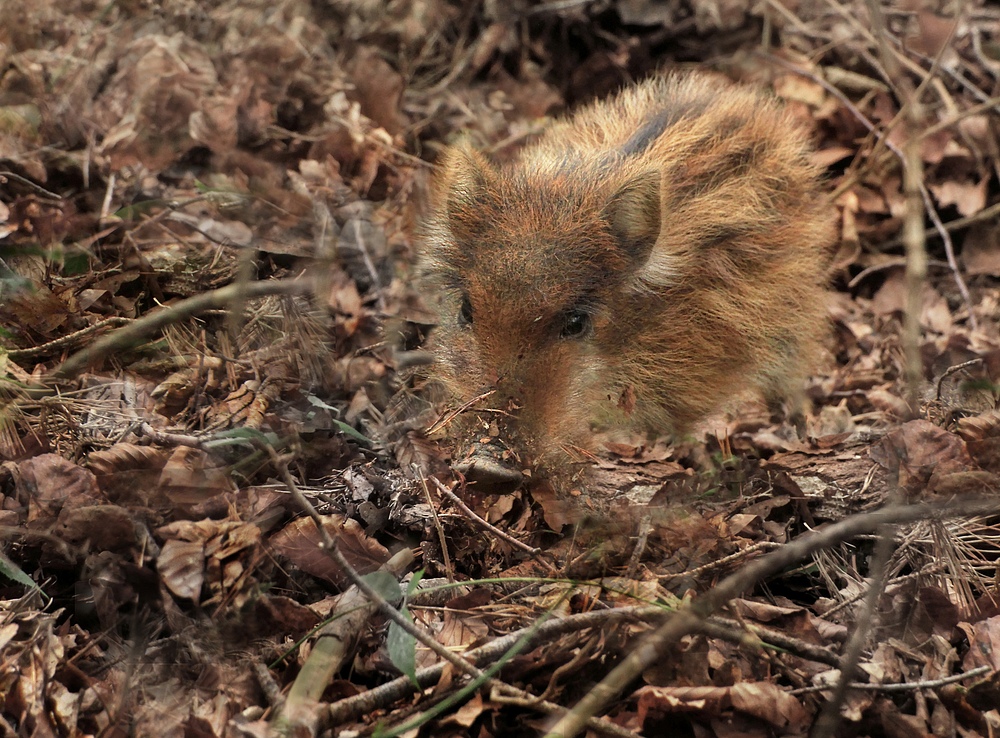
{"points": [[488, 470]]}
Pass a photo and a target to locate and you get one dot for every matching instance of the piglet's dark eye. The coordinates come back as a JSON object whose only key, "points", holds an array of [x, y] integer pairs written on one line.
{"points": [[465, 312], [576, 323]]}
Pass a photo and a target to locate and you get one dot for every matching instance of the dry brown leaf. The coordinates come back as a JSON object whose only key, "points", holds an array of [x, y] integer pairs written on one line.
{"points": [[897, 724], [354, 372], [276, 614], [833, 420], [414, 448], [531, 95], [246, 405], [968, 197], [173, 393], [35, 311], [181, 565], [980, 426], [885, 400], [801, 89], [377, 87], [980, 250], [146, 108], [215, 125], [934, 313], [299, 542], [891, 296], [831, 155], [48, 482], [769, 703], [933, 148], [230, 538], [891, 299], [225, 232], [191, 476], [965, 484], [919, 449], [761, 700], [98, 527], [984, 644], [468, 713], [345, 302], [127, 472], [459, 632], [986, 452], [556, 509], [931, 34]]}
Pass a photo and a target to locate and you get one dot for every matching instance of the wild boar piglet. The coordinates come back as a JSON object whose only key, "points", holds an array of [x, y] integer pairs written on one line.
{"points": [[646, 259]]}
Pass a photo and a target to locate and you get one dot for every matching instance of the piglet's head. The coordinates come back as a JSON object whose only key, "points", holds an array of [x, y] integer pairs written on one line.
{"points": [[530, 267]]}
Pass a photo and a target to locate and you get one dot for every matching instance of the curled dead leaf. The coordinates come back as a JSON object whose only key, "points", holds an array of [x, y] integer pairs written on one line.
{"points": [[181, 565], [127, 471], [191, 476], [299, 542], [917, 450], [761, 700], [48, 482]]}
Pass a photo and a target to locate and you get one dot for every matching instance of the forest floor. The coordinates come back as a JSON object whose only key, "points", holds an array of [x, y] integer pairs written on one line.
{"points": [[212, 351]]}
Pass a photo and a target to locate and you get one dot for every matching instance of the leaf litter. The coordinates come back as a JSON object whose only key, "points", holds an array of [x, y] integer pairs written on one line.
{"points": [[152, 157]]}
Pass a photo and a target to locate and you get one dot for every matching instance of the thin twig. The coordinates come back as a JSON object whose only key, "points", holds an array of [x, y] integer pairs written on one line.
{"points": [[457, 411], [951, 370], [5, 174], [953, 225], [959, 117], [740, 633], [828, 722], [602, 727], [724, 561], [442, 538], [483, 524], [62, 342], [904, 686]]}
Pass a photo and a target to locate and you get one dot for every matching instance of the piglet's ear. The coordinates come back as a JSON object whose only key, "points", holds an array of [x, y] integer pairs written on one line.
{"points": [[465, 177], [635, 214]]}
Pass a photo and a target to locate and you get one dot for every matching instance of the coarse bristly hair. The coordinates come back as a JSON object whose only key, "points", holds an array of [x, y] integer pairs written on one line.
{"points": [[648, 258]]}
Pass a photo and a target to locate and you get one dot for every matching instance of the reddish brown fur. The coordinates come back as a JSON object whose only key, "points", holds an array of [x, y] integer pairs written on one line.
{"points": [[682, 218]]}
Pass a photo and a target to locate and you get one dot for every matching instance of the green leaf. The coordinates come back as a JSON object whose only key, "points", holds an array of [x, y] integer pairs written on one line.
{"points": [[349, 431], [76, 264], [402, 648], [339, 425], [13, 572], [386, 585], [414, 582]]}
